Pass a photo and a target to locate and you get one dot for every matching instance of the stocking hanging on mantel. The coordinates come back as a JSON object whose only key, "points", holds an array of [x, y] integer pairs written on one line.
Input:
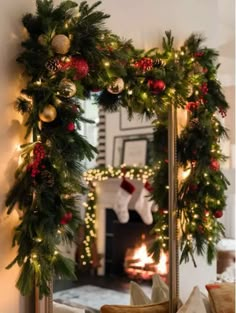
{"points": [[123, 197], [144, 205]]}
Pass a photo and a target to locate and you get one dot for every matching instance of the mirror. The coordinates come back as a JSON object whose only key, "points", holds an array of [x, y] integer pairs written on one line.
{"points": [[122, 222]]}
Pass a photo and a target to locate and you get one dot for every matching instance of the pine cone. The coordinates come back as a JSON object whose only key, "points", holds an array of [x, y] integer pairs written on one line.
{"points": [[53, 65], [159, 63]]}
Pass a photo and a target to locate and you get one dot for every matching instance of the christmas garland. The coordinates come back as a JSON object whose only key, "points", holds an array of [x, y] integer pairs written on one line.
{"points": [[69, 54]]}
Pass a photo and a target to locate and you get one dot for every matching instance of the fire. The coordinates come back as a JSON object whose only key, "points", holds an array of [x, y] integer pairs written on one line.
{"points": [[138, 264]]}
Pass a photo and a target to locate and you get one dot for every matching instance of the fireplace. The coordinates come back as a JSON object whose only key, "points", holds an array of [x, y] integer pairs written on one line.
{"points": [[114, 239], [123, 239]]}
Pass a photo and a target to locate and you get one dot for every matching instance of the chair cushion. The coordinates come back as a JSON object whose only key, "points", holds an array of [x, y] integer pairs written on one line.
{"points": [[222, 297]]}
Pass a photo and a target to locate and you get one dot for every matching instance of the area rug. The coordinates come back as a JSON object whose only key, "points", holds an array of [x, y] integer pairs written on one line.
{"points": [[91, 297]]}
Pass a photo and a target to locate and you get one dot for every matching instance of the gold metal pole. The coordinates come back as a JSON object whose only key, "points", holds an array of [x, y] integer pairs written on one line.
{"points": [[172, 182]]}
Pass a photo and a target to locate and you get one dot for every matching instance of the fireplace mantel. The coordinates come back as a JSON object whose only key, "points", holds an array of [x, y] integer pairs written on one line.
{"points": [[106, 195]]}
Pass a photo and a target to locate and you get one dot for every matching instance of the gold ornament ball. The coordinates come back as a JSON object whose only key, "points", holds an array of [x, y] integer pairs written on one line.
{"points": [[60, 44], [42, 40], [67, 88], [117, 86], [48, 114]]}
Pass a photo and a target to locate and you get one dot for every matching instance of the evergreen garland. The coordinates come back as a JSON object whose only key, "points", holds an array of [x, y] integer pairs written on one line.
{"points": [[68, 54]]}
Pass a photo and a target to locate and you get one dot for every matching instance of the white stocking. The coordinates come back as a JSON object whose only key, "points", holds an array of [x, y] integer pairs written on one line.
{"points": [[123, 197]]}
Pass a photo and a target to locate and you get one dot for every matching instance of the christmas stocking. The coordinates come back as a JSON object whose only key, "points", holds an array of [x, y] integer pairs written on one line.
{"points": [[144, 205], [123, 197]]}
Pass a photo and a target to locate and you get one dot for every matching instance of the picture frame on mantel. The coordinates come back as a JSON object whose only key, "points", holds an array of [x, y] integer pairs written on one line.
{"points": [[125, 142], [135, 152], [137, 122]]}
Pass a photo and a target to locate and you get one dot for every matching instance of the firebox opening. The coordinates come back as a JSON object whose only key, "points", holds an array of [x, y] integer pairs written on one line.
{"points": [[124, 239]]}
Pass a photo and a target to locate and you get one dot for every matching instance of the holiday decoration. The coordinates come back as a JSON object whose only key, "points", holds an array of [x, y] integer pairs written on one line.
{"points": [[66, 218], [218, 214], [61, 47], [123, 197], [156, 86], [116, 87], [70, 127], [48, 114], [53, 65], [42, 39], [144, 205], [145, 64], [60, 44], [81, 67], [214, 165], [67, 88]]}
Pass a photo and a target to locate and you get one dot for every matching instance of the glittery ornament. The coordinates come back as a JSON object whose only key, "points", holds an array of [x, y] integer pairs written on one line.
{"points": [[67, 88], [60, 44], [116, 87], [80, 65], [48, 114]]}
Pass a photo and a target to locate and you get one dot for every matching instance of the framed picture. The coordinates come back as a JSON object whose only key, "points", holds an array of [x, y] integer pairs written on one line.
{"points": [[132, 149], [135, 123], [135, 152]]}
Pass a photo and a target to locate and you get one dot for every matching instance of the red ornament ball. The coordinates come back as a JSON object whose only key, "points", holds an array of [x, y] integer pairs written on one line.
{"points": [[70, 127], [81, 67], [214, 165], [218, 214], [156, 86]]}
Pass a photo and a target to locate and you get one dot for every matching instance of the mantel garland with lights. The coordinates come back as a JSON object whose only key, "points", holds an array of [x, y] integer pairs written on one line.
{"points": [[70, 54]]}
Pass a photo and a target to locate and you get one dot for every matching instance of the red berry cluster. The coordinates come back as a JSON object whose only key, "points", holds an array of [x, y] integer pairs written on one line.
{"points": [[66, 218], [191, 106], [145, 64], [198, 54], [204, 88], [38, 156], [222, 112]]}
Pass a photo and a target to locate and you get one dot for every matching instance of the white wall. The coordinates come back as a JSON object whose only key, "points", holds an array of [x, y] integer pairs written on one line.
{"points": [[11, 133], [144, 22]]}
